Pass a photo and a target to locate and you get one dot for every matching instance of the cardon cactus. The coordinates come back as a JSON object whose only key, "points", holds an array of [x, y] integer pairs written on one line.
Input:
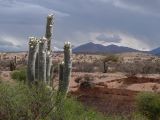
{"points": [[33, 49], [65, 69], [42, 59]]}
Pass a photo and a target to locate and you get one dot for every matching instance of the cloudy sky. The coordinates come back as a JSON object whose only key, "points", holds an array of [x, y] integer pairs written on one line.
{"points": [[131, 23]]}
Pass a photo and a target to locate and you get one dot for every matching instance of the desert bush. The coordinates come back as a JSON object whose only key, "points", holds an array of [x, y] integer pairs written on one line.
{"points": [[20, 102], [85, 81], [131, 69], [148, 105], [143, 67], [73, 110], [19, 75]]}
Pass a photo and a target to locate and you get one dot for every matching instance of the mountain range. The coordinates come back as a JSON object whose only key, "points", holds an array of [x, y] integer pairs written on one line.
{"points": [[98, 48]]}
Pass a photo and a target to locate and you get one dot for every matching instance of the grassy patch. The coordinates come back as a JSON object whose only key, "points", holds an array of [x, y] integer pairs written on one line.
{"points": [[19, 75]]}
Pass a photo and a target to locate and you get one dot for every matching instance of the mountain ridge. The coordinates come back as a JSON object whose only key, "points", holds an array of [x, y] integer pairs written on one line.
{"points": [[155, 51], [98, 48]]}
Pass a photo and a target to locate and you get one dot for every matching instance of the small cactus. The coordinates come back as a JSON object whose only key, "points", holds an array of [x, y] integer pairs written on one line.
{"points": [[33, 49]]}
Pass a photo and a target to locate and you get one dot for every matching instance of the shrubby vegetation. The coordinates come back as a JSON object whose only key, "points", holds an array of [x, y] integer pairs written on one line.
{"points": [[20, 102], [148, 105], [117, 64], [139, 68], [19, 75]]}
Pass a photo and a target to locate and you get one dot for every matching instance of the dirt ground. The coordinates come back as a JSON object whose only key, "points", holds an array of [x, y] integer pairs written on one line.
{"points": [[114, 93]]}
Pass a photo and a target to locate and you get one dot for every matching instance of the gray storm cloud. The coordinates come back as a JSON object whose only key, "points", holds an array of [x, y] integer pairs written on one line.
{"points": [[76, 20]]}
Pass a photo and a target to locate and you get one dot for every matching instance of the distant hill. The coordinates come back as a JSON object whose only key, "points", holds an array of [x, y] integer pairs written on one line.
{"points": [[155, 51], [98, 48]]}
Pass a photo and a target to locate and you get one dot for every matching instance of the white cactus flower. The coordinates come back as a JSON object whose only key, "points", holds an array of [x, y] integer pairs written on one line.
{"points": [[48, 52], [31, 37], [68, 43]]}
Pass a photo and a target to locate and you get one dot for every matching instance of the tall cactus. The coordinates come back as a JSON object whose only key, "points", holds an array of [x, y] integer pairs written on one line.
{"points": [[33, 49], [48, 35], [42, 59], [65, 70]]}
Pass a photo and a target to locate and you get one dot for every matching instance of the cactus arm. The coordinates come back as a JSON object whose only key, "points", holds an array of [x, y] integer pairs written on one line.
{"points": [[42, 60], [65, 70], [48, 34], [67, 65], [33, 49]]}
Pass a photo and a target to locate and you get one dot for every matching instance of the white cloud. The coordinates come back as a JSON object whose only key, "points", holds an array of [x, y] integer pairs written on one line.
{"points": [[109, 38], [128, 41]]}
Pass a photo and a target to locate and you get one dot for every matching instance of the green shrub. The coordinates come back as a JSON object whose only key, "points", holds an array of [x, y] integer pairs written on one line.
{"points": [[20, 102], [149, 105], [19, 75]]}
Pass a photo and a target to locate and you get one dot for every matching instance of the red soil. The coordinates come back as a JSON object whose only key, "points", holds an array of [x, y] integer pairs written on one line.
{"points": [[107, 101]]}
